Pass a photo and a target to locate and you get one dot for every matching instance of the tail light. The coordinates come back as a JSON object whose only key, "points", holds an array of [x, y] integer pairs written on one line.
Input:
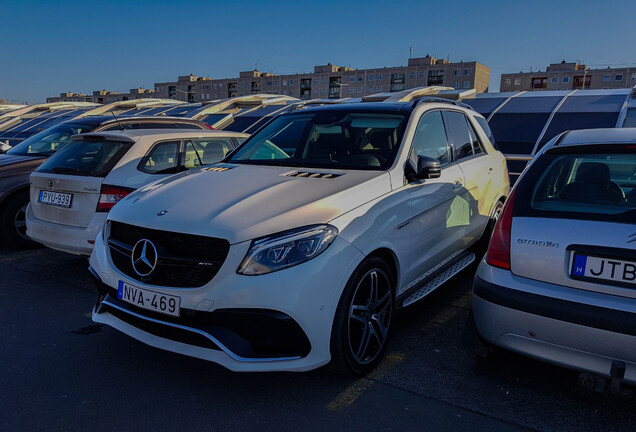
{"points": [[498, 254], [111, 195], [209, 126]]}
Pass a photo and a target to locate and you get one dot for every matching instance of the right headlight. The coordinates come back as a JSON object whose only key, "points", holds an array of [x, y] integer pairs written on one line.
{"points": [[286, 249]]}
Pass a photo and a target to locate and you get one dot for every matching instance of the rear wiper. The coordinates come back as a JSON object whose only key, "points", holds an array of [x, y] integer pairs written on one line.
{"points": [[69, 170]]}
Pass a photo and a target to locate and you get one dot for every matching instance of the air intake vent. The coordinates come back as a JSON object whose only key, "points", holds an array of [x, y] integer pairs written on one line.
{"points": [[218, 168], [311, 174]]}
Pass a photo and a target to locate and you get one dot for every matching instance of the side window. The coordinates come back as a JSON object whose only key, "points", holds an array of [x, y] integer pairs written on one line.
{"points": [[430, 138], [457, 129], [162, 159], [477, 149], [199, 152], [190, 126], [484, 125], [116, 127]]}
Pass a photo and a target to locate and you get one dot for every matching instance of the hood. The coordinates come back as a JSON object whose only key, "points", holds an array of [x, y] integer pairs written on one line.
{"points": [[245, 202], [17, 164]]}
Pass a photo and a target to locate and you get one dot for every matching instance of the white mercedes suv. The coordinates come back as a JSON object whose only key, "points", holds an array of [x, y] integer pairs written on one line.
{"points": [[297, 248]]}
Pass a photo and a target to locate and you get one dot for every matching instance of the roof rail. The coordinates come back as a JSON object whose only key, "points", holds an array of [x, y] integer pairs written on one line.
{"points": [[303, 104], [417, 101]]}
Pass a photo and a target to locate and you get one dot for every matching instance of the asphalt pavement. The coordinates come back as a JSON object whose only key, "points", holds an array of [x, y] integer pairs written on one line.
{"points": [[60, 371]]}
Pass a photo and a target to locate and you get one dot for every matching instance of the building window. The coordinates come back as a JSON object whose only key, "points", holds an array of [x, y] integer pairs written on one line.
{"points": [[456, 84], [517, 81], [370, 77], [207, 95], [352, 90], [457, 72], [324, 91], [565, 80], [370, 89], [507, 81], [467, 71], [466, 84], [275, 83], [214, 86], [607, 78], [352, 79], [359, 89], [379, 77], [291, 82], [316, 80], [269, 83], [220, 86], [412, 75], [378, 89], [618, 77], [359, 78], [633, 76], [284, 83], [324, 80], [555, 80]]}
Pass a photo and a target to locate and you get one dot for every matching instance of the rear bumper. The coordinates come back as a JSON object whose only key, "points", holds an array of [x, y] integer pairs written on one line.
{"points": [[70, 239], [572, 328]]}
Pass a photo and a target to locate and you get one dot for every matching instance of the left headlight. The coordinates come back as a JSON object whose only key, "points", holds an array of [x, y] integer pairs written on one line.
{"points": [[286, 249]]}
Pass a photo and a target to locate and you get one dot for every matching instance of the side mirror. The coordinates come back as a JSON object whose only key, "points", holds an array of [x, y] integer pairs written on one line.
{"points": [[427, 168]]}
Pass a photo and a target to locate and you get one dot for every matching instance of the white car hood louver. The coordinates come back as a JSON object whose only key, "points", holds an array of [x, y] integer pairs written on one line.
{"points": [[309, 174]]}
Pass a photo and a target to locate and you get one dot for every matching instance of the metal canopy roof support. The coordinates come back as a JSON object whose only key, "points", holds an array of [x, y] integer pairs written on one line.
{"points": [[131, 104], [406, 95]]}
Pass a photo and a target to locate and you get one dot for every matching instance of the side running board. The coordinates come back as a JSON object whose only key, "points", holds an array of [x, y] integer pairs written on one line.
{"points": [[463, 261]]}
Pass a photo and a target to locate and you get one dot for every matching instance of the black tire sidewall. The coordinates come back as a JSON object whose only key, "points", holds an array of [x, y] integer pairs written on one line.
{"points": [[342, 360], [9, 233]]}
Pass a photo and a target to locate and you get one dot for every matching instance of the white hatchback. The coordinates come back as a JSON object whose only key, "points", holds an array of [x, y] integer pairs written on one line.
{"points": [[73, 191]]}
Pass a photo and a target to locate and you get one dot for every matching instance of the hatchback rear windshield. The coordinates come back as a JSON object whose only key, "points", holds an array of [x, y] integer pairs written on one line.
{"points": [[86, 158], [50, 140], [592, 186], [327, 139]]}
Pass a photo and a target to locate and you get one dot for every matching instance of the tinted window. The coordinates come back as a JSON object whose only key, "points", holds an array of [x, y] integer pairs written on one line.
{"points": [[473, 138], [329, 138], [162, 159], [49, 141], [199, 152], [630, 118], [579, 185], [86, 158], [457, 131], [430, 138], [484, 125]]}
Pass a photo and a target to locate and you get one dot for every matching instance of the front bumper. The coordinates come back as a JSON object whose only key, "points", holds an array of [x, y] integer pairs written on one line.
{"points": [[70, 239], [576, 329], [274, 322]]}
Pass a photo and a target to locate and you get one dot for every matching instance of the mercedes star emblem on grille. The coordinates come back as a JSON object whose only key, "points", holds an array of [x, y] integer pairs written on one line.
{"points": [[144, 257]]}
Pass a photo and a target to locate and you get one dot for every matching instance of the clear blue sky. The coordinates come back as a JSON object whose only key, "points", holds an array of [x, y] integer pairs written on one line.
{"points": [[48, 47]]}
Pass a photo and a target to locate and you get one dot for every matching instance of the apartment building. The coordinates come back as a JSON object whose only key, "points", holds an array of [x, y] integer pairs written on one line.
{"points": [[569, 76], [103, 96], [325, 82]]}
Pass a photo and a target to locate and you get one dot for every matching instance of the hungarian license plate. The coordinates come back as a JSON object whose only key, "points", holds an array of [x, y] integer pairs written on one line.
{"points": [[55, 198], [604, 269], [146, 299]]}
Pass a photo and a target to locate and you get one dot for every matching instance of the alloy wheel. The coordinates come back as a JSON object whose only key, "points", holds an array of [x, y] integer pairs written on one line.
{"points": [[19, 221], [370, 316]]}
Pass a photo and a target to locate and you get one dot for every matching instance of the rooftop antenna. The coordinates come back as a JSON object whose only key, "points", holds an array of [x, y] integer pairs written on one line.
{"points": [[116, 119], [411, 52]]}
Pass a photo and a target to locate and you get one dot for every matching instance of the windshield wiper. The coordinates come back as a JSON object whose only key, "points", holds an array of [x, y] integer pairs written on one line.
{"points": [[69, 170]]}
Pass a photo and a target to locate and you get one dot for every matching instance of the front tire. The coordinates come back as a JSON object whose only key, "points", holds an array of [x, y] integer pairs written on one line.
{"points": [[13, 222], [363, 319]]}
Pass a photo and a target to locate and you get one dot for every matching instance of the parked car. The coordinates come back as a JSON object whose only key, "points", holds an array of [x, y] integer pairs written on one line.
{"points": [[72, 192], [21, 160], [296, 249], [559, 279]]}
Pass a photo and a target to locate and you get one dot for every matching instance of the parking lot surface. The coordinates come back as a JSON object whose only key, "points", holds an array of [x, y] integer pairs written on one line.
{"points": [[62, 372]]}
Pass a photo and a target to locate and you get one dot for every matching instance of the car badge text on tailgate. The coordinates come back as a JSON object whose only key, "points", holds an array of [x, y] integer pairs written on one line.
{"points": [[144, 257], [50, 183]]}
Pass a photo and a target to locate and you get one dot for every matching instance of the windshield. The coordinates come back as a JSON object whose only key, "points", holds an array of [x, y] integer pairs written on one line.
{"points": [[86, 158], [328, 139], [49, 140]]}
